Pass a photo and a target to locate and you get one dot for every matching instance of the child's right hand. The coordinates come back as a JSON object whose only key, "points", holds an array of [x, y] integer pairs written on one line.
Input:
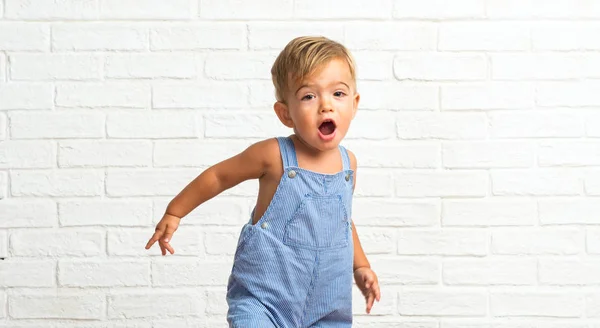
{"points": [[163, 233]]}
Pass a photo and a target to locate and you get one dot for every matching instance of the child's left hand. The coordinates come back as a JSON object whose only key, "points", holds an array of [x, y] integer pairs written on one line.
{"points": [[367, 282]]}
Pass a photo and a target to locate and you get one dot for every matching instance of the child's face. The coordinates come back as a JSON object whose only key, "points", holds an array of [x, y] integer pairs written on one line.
{"points": [[321, 107]]}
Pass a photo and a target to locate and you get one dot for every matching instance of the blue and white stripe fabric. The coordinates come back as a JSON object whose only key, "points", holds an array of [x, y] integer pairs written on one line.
{"points": [[293, 268]]}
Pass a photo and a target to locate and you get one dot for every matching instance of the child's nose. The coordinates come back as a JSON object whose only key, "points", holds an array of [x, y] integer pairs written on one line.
{"points": [[326, 106]]}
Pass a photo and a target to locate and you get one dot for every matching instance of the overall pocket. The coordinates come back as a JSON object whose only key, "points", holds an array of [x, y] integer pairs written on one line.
{"points": [[320, 222]]}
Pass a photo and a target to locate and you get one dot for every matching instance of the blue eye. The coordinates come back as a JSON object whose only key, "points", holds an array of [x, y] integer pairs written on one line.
{"points": [[339, 93]]}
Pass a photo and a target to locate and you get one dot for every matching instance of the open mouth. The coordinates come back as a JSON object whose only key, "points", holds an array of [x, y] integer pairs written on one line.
{"points": [[327, 127]]}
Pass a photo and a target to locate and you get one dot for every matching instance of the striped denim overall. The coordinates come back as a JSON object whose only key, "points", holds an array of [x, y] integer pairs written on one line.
{"points": [[293, 268]]}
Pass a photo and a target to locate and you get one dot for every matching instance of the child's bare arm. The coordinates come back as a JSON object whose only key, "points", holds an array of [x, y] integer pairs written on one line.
{"points": [[252, 163], [360, 259], [365, 278]]}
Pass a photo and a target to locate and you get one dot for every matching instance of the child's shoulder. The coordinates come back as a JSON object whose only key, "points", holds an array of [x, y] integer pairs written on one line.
{"points": [[270, 144], [267, 151]]}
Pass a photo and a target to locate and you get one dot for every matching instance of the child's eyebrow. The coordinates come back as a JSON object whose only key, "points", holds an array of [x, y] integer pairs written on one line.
{"points": [[311, 84]]}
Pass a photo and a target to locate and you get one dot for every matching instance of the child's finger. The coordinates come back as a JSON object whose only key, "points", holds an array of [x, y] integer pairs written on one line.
{"points": [[149, 244], [169, 248], [370, 300], [162, 248], [153, 239], [377, 291]]}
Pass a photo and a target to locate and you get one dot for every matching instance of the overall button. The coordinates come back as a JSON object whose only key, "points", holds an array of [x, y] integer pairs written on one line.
{"points": [[291, 174], [347, 177], [264, 225]]}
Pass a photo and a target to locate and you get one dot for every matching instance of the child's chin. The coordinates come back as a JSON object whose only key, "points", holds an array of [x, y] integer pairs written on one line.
{"points": [[326, 145], [316, 142]]}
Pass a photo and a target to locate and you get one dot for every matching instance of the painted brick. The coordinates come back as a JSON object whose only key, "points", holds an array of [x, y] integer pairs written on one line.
{"points": [[98, 37], [16, 36]]}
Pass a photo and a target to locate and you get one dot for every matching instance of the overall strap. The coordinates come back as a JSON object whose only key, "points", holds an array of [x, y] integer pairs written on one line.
{"points": [[345, 157], [288, 152]]}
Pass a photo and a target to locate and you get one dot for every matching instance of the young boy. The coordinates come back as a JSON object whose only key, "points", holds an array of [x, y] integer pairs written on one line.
{"points": [[296, 256]]}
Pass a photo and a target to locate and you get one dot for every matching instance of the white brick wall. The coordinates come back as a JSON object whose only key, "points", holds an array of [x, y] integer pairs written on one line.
{"points": [[477, 142]]}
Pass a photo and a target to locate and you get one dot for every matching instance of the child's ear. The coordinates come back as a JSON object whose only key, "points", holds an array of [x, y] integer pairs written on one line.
{"points": [[283, 113], [356, 101]]}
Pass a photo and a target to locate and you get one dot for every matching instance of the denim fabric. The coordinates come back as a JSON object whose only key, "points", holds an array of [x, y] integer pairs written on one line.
{"points": [[293, 268]]}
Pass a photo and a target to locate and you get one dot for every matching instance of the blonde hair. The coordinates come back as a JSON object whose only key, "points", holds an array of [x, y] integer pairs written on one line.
{"points": [[302, 56]]}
